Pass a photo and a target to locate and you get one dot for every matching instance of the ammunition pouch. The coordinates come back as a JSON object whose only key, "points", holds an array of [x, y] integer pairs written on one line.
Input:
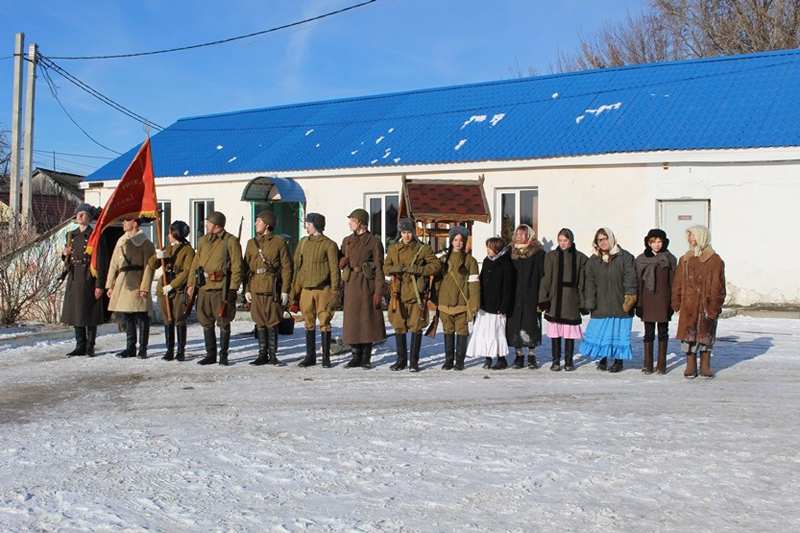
{"points": [[200, 277], [368, 270], [215, 276], [346, 273]]}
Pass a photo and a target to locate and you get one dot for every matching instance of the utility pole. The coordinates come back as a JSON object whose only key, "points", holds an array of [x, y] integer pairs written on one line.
{"points": [[16, 130], [27, 168]]}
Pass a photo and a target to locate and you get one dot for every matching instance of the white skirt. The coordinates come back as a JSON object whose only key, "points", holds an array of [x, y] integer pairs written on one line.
{"points": [[488, 336]]}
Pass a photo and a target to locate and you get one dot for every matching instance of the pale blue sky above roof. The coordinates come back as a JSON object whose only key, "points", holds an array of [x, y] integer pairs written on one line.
{"points": [[388, 46]]}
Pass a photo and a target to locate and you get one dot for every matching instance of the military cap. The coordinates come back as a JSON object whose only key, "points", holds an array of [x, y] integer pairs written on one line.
{"points": [[407, 224], [268, 218], [217, 218], [361, 215], [317, 220], [180, 227]]}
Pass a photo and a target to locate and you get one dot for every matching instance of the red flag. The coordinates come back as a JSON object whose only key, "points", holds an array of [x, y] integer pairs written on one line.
{"points": [[134, 197]]}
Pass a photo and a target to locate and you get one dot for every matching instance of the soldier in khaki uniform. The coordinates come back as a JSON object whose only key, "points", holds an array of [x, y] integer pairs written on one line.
{"points": [[457, 297], [316, 283], [178, 257], [410, 263], [269, 268], [219, 255]]}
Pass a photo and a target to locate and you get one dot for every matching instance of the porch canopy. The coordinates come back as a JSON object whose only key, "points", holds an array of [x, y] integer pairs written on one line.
{"points": [[273, 189]]}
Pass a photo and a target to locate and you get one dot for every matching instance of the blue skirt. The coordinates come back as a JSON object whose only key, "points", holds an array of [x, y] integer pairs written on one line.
{"points": [[608, 337]]}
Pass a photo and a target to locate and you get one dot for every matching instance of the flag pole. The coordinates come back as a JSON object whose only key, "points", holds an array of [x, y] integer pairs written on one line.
{"points": [[158, 236]]}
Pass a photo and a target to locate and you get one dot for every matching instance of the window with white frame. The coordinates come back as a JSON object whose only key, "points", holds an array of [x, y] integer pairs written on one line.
{"points": [[165, 218], [200, 210], [383, 209], [514, 207]]}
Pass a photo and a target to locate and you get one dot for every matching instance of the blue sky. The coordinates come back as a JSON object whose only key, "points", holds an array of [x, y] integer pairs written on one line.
{"points": [[387, 46]]}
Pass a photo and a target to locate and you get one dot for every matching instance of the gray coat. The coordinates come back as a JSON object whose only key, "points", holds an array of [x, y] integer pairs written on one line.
{"points": [[81, 308], [561, 293], [608, 283]]}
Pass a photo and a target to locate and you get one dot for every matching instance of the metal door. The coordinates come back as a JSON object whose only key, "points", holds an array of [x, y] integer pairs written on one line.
{"points": [[678, 215]]}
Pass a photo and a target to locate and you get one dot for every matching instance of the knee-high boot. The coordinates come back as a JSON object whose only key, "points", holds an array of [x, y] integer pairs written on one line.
{"points": [[416, 346], [210, 338], [143, 325], [357, 350], [169, 340], [263, 347], [449, 351], [705, 365], [224, 343], [661, 365], [91, 337], [402, 352], [272, 346], [461, 350], [555, 346], [691, 366], [569, 350], [325, 337], [130, 336], [80, 342], [181, 334], [647, 367], [366, 356], [311, 349]]}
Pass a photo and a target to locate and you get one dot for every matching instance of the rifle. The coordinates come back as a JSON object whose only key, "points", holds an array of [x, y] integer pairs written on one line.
{"points": [[395, 292], [434, 325], [226, 276], [68, 261]]}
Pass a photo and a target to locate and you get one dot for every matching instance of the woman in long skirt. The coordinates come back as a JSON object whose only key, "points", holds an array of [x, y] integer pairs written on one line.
{"points": [[610, 295], [561, 297], [497, 299]]}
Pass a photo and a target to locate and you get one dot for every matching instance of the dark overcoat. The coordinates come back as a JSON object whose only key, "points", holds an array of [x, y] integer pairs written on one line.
{"points": [[363, 324], [655, 304], [524, 323], [607, 284], [561, 290], [81, 308], [698, 292], [497, 285]]}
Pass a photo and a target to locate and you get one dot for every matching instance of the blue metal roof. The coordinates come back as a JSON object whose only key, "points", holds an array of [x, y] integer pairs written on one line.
{"points": [[730, 102]]}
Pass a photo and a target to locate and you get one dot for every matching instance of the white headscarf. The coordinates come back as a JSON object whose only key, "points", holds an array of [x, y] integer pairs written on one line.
{"points": [[612, 243], [702, 236]]}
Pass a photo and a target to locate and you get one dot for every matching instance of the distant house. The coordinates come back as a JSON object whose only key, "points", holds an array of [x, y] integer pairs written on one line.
{"points": [[55, 196], [670, 145]]}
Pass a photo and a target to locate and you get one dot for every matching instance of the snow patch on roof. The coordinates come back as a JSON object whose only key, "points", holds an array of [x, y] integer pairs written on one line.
{"points": [[497, 118], [379, 139], [354, 152], [555, 95], [473, 118], [602, 108], [185, 172], [219, 147], [232, 159], [309, 132], [460, 144]]}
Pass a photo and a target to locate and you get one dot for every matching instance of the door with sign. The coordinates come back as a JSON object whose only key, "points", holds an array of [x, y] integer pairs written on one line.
{"points": [[676, 216]]}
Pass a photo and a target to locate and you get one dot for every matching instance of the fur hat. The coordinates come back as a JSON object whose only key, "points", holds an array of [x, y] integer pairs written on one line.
{"points": [[459, 230], [268, 218], [181, 228], [407, 224], [655, 233], [217, 218], [361, 215], [316, 220], [86, 208]]}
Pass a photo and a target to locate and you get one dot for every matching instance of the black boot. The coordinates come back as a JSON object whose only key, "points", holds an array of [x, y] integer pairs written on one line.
{"points": [[169, 340], [487, 363], [532, 364], [501, 363], [603, 364], [311, 349], [143, 326], [519, 359], [357, 350], [80, 342], [569, 348], [181, 334], [616, 367], [449, 351], [326, 348], [366, 355], [272, 346], [224, 343], [263, 347], [555, 345], [647, 366], [416, 346], [461, 350], [402, 352], [91, 337], [210, 338], [130, 337]]}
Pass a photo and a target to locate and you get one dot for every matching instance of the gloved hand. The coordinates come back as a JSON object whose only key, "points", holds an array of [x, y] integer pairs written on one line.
{"points": [[376, 300], [284, 299], [168, 289], [584, 312], [393, 269], [544, 307], [628, 302], [343, 262], [414, 269], [248, 297], [160, 254], [231, 296]]}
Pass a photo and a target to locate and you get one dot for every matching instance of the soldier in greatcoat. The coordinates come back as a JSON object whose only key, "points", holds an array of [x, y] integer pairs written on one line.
{"points": [[410, 263], [269, 271], [219, 258], [171, 288], [458, 296], [128, 289], [362, 274], [83, 301], [316, 286]]}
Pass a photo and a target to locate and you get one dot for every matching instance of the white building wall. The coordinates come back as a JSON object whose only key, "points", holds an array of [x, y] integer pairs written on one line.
{"points": [[753, 221]]}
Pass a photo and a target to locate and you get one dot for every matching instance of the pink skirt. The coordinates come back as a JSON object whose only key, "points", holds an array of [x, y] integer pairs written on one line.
{"points": [[564, 331]]}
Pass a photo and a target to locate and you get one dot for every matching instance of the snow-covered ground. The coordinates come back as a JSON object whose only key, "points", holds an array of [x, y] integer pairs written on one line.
{"points": [[127, 444]]}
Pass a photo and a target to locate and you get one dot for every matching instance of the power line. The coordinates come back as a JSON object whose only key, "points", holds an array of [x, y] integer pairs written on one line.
{"points": [[48, 64], [223, 41], [50, 152], [51, 84]]}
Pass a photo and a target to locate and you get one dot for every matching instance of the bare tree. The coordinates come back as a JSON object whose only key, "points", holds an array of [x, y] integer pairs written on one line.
{"points": [[688, 29], [5, 155]]}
